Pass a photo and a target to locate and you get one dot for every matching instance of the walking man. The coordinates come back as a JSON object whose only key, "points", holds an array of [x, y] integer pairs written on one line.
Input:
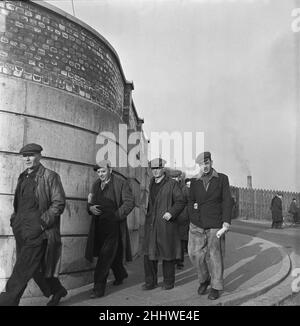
{"points": [[294, 210], [210, 208], [276, 209], [161, 239], [109, 203], [38, 203]]}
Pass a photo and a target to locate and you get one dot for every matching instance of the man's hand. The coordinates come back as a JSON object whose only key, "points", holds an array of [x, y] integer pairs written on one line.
{"points": [[226, 226], [94, 210], [167, 216]]}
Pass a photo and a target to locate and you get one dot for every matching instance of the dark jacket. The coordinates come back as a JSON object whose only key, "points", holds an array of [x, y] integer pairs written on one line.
{"points": [[51, 202], [161, 237], [293, 208], [276, 209], [125, 203], [209, 209], [183, 218]]}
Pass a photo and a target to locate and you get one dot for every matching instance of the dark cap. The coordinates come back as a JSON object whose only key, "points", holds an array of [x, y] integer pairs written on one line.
{"points": [[201, 158], [174, 173], [31, 149], [102, 164], [157, 163]]}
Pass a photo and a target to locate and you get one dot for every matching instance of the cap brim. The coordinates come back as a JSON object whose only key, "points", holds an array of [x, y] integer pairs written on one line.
{"points": [[29, 153]]}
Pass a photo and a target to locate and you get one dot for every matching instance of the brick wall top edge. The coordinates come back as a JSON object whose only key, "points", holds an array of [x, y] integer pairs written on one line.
{"points": [[77, 21]]}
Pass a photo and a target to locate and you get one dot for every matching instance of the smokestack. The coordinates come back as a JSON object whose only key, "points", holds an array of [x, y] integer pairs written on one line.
{"points": [[249, 181]]}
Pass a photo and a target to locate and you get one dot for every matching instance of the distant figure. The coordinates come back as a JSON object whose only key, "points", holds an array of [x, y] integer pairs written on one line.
{"points": [[276, 209], [234, 207], [294, 210]]}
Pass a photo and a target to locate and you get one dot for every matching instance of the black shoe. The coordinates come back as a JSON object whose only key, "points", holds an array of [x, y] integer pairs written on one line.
{"points": [[213, 294], [167, 286], [57, 296], [120, 281], [203, 287], [97, 294], [147, 287]]}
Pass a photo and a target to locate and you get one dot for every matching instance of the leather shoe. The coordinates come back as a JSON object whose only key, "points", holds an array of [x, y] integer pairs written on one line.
{"points": [[97, 294], [57, 296], [167, 286], [203, 287], [213, 294], [147, 287], [119, 281], [180, 266]]}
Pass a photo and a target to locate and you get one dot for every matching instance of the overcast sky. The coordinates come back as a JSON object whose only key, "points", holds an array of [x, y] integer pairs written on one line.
{"points": [[223, 67]]}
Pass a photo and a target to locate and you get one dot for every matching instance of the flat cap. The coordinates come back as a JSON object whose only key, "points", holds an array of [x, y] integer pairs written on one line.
{"points": [[202, 157], [157, 163], [31, 149], [174, 173], [102, 164]]}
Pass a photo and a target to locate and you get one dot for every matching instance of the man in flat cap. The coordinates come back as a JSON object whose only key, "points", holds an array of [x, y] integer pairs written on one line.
{"points": [[161, 237], [38, 203], [109, 202], [210, 209]]}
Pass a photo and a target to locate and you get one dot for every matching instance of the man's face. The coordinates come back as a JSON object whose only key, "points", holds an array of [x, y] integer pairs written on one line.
{"points": [[188, 184], [206, 166], [31, 160], [157, 172], [104, 174]]}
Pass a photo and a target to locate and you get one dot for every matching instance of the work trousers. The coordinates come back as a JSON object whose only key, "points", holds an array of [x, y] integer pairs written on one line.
{"points": [[27, 266], [206, 253], [151, 266], [110, 252]]}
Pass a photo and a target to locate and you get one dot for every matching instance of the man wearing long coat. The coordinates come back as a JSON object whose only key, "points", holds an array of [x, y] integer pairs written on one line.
{"points": [[109, 202], [161, 236], [276, 209], [294, 210], [38, 203]]}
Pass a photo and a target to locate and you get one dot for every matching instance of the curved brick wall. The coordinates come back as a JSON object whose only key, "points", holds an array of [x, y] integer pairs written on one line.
{"points": [[42, 46], [61, 84]]}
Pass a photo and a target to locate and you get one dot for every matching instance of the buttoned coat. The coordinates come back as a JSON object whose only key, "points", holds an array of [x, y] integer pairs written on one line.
{"points": [[161, 237]]}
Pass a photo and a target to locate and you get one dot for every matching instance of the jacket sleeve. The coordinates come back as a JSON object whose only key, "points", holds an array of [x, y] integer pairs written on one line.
{"points": [[91, 198], [191, 201], [184, 215], [127, 201], [57, 202], [178, 202], [226, 201]]}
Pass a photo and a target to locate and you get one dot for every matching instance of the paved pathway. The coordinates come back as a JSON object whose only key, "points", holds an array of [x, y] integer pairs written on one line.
{"points": [[252, 266]]}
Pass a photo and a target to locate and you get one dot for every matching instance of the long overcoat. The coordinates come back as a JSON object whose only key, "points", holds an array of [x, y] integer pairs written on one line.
{"points": [[125, 203], [183, 218], [51, 200], [161, 237], [276, 209]]}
